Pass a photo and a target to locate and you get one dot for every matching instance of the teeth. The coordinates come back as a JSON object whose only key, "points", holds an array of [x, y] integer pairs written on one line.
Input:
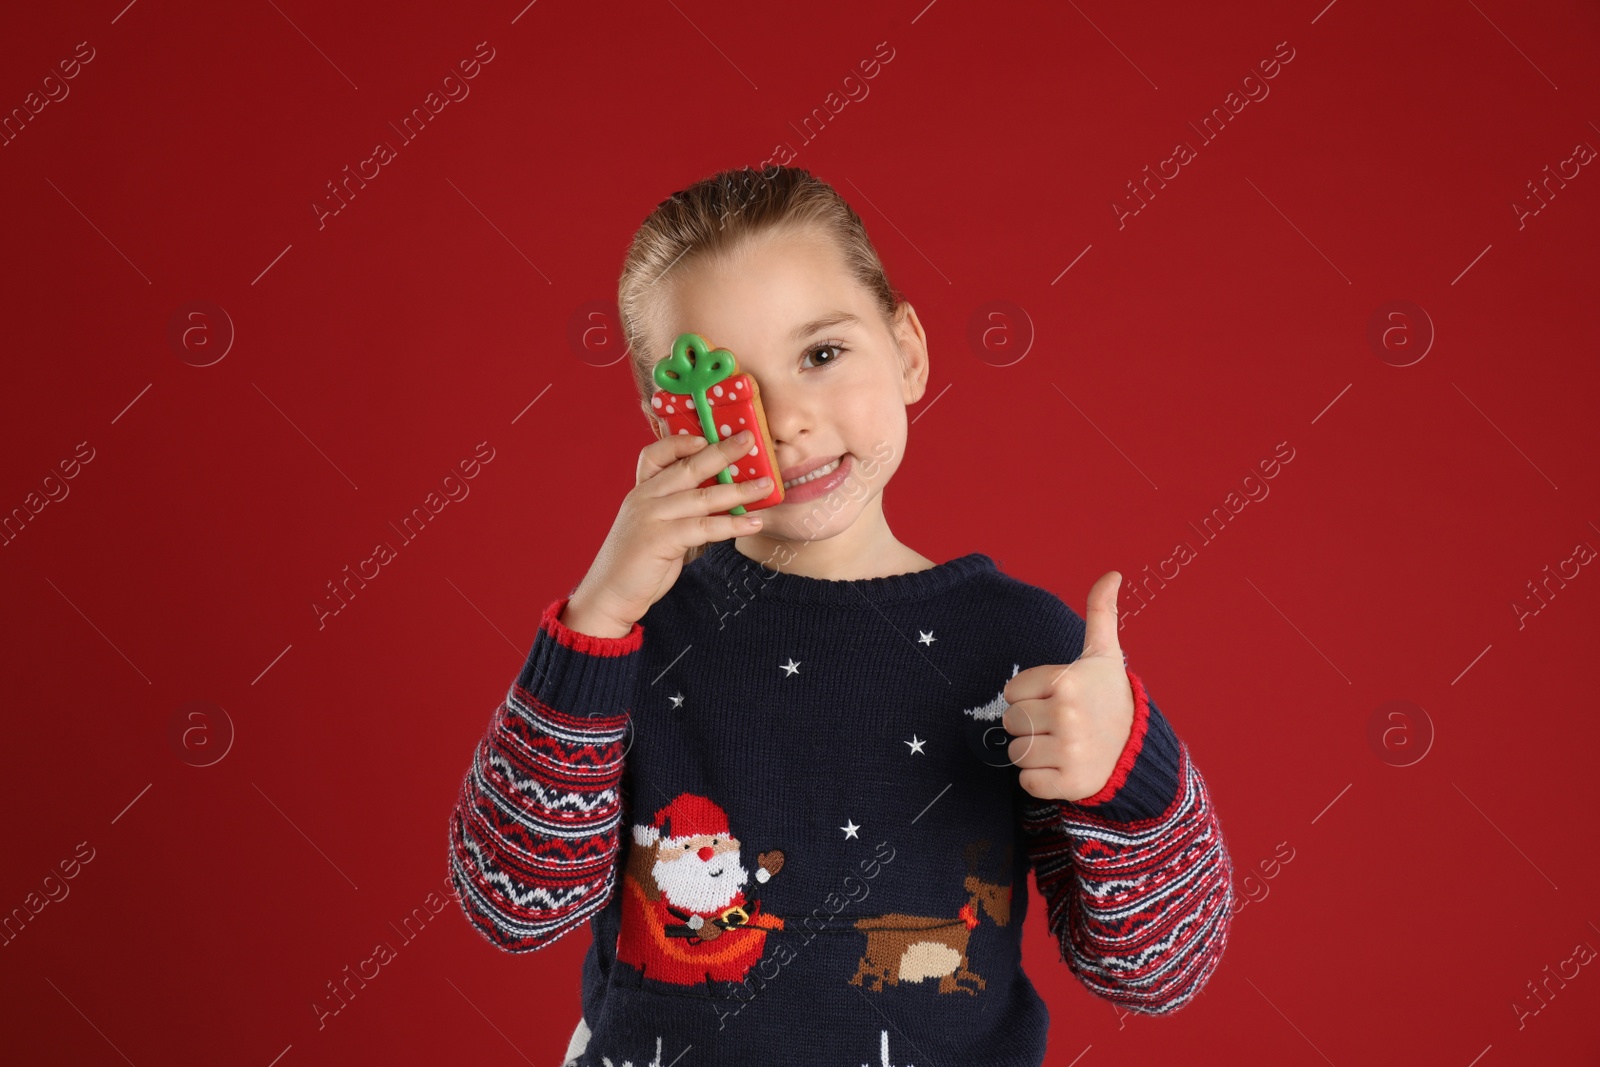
{"points": [[821, 472]]}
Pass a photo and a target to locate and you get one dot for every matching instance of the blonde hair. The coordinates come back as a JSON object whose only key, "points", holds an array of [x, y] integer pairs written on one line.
{"points": [[714, 216]]}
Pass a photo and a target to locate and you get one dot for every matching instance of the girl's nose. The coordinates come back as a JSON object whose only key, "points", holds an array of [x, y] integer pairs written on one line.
{"points": [[706, 852], [786, 421]]}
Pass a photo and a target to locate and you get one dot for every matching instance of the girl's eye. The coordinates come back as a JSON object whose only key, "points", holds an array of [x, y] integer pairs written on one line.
{"points": [[817, 350]]}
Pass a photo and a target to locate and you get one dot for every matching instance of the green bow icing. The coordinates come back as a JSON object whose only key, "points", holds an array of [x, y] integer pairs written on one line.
{"points": [[692, 369]]}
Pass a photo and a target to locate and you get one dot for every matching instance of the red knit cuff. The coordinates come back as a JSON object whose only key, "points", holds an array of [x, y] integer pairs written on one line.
{"points": [[589, 643], [1130, 751]]}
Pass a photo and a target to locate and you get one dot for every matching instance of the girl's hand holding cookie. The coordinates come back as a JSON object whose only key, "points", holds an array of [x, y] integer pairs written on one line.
{"points": [[1071, 723], [662, 517]]}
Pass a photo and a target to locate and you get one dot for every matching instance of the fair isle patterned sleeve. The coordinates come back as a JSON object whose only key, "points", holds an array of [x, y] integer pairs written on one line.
{"points": [[1137, 879], [534, 836]]}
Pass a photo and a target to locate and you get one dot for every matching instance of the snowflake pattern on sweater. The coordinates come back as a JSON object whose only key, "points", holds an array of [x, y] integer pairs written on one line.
{"points": [[783, 807]]}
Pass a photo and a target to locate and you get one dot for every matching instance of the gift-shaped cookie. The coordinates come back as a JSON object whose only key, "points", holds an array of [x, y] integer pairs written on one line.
{"points": [[702, 391]]}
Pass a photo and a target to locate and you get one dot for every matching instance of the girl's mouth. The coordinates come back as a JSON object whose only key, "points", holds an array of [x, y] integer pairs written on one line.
{"points": [[819, 482]]}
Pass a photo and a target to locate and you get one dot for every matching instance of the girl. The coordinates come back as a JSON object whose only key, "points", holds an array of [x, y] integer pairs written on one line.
{"points": [[792, 773]]}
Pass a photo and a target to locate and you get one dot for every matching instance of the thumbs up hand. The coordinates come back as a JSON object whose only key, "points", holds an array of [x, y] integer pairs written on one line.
{"points": [[1071, 723]]}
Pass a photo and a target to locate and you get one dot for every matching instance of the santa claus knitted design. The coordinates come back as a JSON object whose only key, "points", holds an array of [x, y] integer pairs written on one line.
{"points": [[686, 918]]}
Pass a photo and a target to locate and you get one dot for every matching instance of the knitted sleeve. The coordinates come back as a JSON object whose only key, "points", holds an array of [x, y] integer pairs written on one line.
{"points": [[1137, 879], [534, 835]]}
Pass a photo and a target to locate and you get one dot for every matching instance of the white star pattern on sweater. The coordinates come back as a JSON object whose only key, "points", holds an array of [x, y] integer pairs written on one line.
{"points": [[916, 745], [850, 828], [677, 700], [926, 636], [792, 667]]}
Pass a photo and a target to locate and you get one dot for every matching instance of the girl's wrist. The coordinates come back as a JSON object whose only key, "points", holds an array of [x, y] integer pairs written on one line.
{"points": [[579, 616]]}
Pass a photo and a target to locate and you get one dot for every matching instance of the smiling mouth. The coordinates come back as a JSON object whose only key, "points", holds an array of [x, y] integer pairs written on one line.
{"points": [[810, 476]]}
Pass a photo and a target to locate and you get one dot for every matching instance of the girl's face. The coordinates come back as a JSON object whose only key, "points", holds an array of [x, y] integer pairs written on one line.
{"points": [[835, 379]]}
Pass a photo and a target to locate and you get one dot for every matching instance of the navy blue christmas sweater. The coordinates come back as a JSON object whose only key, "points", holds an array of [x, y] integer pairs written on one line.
{"points": [[783, 807]]}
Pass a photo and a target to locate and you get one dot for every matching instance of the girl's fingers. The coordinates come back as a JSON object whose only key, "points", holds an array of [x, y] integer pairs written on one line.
{"points": [[695, 501], [704, 529], [664, 452], [700, 464], [725, 453]]}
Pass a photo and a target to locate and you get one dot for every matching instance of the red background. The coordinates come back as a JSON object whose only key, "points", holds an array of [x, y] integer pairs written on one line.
{"points": [[373, 354]]}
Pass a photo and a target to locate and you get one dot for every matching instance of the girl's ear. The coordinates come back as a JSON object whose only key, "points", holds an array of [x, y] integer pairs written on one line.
{"points": [[913, 345]]}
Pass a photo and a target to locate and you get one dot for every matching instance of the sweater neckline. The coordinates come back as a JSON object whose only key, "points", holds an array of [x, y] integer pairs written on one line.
{"points": [[724, 560]]}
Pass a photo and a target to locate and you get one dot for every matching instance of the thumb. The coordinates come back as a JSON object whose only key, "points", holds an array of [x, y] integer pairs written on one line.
{"points": [[1100, 617]]}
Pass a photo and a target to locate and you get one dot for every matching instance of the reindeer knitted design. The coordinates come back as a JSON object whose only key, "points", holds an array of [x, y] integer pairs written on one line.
{"points": [[911, 948]]}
